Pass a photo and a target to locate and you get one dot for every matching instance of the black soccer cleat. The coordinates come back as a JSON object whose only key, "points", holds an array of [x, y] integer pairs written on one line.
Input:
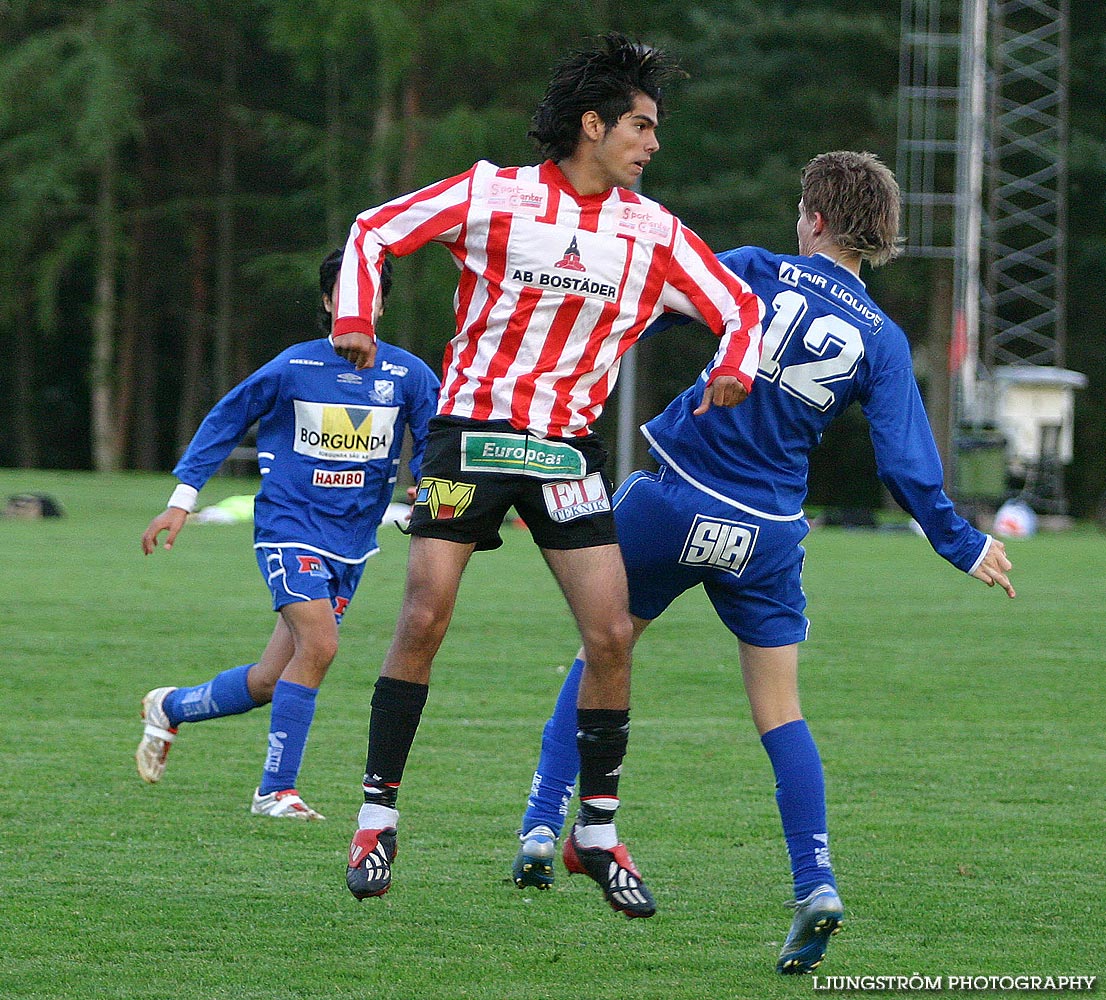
{"points": [[369, 872], [615, 872]]}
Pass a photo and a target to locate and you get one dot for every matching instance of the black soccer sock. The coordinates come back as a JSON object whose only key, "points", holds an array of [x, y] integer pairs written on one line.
{"points": [[601, 738], [396, 710]]}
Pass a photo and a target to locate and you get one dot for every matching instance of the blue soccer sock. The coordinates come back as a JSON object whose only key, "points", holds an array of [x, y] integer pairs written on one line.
{"points": [[559, 763], [801, 798], [225, 694], [292, 712]]}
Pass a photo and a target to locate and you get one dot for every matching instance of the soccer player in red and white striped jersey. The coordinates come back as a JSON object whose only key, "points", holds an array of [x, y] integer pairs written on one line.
{"points": [[556, 284], [562, 267]]}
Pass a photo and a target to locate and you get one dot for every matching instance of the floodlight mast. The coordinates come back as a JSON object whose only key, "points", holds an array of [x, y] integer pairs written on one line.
{"points": [[965, 405], [982, 161]]}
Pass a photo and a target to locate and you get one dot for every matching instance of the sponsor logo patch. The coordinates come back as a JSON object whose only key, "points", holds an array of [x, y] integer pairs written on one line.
{"points": [[504, 194], [790, 274], [646, 222], [348, 478], [336, 433], [575, 498], [571, 259], [793, 275], [445, 498], [726, 545], [571, 262], [520, 455], [579, 286], [311, 565]]}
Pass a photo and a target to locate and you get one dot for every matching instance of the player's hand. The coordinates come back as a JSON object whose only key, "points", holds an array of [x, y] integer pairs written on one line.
{"points": [[995, 566], [357, 348], [725, 390], [412, 492], [170, 520]]}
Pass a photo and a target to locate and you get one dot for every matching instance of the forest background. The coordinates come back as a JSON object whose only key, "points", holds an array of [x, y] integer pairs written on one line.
{"points": [[173, 172]]}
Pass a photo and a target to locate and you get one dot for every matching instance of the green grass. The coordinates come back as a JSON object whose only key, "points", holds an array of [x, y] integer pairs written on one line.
{"points": [[961, 732]]}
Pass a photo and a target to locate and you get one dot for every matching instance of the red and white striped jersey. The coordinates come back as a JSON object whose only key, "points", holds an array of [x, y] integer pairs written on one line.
{"points": [[555, 287]]}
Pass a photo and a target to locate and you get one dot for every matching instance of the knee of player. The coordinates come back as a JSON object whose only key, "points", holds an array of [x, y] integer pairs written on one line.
{"points": [[610, 641], [323, 651], [422, 621], [261, 687], [312, 658]]}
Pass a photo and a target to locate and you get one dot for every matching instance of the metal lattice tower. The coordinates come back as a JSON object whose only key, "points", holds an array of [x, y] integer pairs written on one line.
{"points": [[1027, 209], [982, 163], [929, 95]]}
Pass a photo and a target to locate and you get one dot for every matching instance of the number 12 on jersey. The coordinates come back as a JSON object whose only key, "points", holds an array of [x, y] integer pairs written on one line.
{"points": [[836, 342]]}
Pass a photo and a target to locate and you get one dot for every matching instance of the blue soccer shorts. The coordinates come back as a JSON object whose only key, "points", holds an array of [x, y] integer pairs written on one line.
{"points": [[293, 574], [674, 537]]}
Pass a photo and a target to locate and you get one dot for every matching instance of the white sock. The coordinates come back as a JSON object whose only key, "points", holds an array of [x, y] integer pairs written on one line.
{"points": [[537, 831], [597, 835], [376, 817]]}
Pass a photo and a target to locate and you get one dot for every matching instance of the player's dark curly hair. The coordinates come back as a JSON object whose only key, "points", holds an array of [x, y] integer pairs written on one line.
{"points": [[604, 79], [328, 275]]}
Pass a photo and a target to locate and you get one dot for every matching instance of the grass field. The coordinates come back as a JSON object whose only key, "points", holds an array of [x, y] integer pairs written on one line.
{"points": [[961, 733]]}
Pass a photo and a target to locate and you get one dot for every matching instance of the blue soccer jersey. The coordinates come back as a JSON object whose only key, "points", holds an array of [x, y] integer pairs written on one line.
{"points": [[826, 345], [328, 443]]}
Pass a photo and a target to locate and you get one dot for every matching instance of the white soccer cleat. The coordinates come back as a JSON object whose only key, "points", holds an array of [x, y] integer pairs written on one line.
{"points": [[157, 736], [283, 805]]}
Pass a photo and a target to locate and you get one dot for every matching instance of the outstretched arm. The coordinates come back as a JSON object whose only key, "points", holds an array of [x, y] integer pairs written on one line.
{"points": [[910, 467], [209, 447], [701, 287]]}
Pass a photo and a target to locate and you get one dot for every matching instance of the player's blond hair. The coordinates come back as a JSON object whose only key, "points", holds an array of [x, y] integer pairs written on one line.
{"points": [[858, 197]]}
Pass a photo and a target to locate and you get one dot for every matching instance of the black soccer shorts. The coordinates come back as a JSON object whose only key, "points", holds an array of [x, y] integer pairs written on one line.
{"points": [[475, 471]]}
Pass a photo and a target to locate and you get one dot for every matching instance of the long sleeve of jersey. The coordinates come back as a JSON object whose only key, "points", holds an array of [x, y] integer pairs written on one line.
{"points": [[224, 427], [702, 288], [909, 465], [401, 226]]}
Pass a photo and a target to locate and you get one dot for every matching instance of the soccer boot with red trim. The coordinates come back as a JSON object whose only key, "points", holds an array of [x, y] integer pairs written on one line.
{"points": [[369, 872], [614, 870], [817, 918], [283, 805]]}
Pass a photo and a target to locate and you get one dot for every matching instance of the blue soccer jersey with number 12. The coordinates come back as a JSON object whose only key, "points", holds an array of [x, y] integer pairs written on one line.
{"points": [[826, 345]]}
